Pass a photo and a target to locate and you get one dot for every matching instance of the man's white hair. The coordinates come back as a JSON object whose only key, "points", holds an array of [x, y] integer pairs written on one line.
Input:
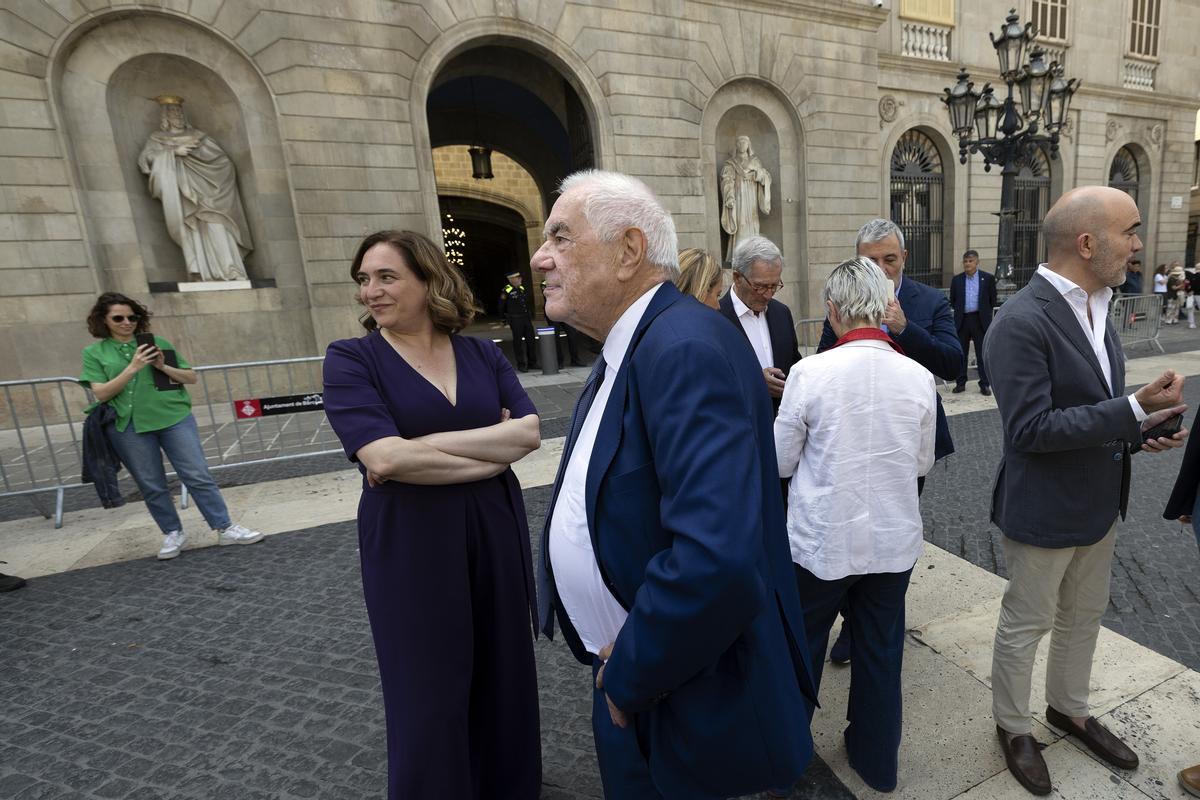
{"points": [[754, 248], [859, 290], [615, 202], [877, 230]]}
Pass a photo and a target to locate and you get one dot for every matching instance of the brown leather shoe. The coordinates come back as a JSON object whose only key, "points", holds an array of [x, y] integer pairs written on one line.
{"points": [[1023, 755], [1099, 739], [1189, 779]]}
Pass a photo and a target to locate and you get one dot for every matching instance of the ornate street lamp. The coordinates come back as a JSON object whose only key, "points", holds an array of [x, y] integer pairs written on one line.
{"points": [[1031, 116]]}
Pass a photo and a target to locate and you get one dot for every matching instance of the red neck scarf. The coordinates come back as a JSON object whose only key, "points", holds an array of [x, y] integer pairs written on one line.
{"points": [[868, 333]]}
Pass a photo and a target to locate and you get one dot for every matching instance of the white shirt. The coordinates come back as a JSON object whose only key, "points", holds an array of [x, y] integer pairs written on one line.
{"points": [[755, 326], [855, 430], [595, 614], [1097, 303]]}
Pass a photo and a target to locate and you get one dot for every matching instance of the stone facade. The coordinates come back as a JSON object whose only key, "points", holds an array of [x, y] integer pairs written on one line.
{"points": [[333, 112]]}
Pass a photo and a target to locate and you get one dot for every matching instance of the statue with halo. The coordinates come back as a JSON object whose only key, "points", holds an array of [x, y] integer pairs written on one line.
{"points": [[197, 184]]}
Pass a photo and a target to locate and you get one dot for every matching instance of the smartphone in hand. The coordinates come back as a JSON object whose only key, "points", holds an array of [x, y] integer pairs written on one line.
{"points": [[1167, 428], [145, 338]]}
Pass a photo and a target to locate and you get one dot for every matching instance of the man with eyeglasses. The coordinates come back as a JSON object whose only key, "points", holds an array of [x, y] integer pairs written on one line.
{"points": [[751, 305]]}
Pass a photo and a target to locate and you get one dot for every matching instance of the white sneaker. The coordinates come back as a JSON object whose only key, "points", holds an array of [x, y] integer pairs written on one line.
{"points": [[172, 544], [237, 534]]}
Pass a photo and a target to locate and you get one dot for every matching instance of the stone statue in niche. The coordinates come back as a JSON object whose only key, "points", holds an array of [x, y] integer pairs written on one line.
{"points": [[197, 184], [745, 192]]}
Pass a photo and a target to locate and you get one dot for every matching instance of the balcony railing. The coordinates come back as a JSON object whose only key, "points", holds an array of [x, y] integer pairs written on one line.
{"points": [[1138, 74], [924, 40]]}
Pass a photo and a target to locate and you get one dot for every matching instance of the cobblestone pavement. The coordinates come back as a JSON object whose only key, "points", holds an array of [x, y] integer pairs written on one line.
{"points": [[1155, 591], [249, 673], [233, 673]]}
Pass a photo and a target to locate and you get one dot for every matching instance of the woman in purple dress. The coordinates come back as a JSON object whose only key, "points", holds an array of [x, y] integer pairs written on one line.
{"points": [[434, 420]]}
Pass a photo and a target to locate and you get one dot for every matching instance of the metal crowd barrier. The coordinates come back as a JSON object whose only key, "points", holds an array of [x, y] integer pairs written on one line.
{"points": [[808, 335], [281, 418], [40, 446], [1137, 318]]}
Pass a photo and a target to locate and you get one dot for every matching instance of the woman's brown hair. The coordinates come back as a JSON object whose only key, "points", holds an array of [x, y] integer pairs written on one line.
{"points": [[698, 271], [95, 319], [451, 304]]}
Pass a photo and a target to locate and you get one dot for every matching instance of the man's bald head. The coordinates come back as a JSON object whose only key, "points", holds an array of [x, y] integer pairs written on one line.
{"points": [[1086, 209], [1090, 235]]}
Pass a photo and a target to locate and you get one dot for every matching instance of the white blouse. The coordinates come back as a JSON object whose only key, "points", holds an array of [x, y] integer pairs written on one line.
{"points": [[855, 429]]}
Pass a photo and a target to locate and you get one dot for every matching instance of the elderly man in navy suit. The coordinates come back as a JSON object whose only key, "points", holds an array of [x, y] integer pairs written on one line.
{"points": [[751, 305], [972, 296], [665, 554], [919, 320]]}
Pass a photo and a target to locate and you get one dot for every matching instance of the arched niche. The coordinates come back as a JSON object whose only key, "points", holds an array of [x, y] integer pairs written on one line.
{"points": [[758, 109], [103, 83], [954, 238]]}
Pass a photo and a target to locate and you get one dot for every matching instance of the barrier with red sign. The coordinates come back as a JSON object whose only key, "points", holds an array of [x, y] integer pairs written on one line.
{"points": [[284, 404]]}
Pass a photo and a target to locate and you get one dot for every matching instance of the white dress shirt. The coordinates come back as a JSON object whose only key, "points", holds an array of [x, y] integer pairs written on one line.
{"points": [[595, 614], [855, 430], [1097, 304], [755, 326]]}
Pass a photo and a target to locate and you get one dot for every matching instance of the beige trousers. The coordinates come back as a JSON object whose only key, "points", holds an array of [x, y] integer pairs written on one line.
{"points": [[1058, 590]]}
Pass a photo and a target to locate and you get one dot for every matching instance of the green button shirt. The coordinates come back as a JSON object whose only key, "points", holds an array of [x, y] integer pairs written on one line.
{"points": [[139, 401]]}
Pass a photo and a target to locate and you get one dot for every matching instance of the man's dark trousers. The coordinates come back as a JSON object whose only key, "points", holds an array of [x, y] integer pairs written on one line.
{"points": [[874, 609], [971, 329], [524, 343]]}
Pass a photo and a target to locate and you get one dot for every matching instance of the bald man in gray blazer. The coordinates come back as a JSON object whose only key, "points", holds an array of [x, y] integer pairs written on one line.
{"points": [[1058, 373]]}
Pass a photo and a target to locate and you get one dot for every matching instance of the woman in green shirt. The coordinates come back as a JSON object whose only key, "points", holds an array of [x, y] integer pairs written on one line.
{"points": [[151, 422]]}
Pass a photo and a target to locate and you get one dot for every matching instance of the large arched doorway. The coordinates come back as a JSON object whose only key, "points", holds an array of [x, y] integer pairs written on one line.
{"points": [[510, 100], [519, 106]]}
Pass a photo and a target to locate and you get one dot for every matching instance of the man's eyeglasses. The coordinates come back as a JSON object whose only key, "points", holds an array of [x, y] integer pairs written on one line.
{"points": [[761, 288], [118, 318]]}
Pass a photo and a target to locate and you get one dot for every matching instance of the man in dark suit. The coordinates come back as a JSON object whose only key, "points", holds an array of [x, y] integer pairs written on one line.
{"points": [[972, 296], [665, 556], [1069, 432], [751, 305], [921, 322]]}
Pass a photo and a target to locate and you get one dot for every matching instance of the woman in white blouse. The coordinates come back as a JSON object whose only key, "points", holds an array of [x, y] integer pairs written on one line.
{"points": [[855, 430]]}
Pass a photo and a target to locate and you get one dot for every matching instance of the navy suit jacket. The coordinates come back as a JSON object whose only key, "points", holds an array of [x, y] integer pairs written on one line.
{"points": [[784, 345], [687, 524], [987, 297], [930, 338]]}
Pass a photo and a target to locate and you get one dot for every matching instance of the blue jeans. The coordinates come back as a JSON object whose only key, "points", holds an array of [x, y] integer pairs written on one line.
{"points": [[142, 455]]}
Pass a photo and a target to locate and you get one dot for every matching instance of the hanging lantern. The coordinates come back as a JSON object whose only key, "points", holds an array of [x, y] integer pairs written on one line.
{"points": [[1010, 47], [987, 114], [1034, 84], [960, 102], [481, 162]]}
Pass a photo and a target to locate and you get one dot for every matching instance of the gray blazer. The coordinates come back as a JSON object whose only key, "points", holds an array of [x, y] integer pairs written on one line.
{"points": [[1064, 475]]}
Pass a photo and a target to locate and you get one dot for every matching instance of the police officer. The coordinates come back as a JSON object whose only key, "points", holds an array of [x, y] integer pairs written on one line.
{"points": [[518, 315], [571, 335]]}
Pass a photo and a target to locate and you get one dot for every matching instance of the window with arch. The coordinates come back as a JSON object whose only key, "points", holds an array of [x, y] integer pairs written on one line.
{"points": [[1032, 192], [918, 204], [1124, 173]]}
